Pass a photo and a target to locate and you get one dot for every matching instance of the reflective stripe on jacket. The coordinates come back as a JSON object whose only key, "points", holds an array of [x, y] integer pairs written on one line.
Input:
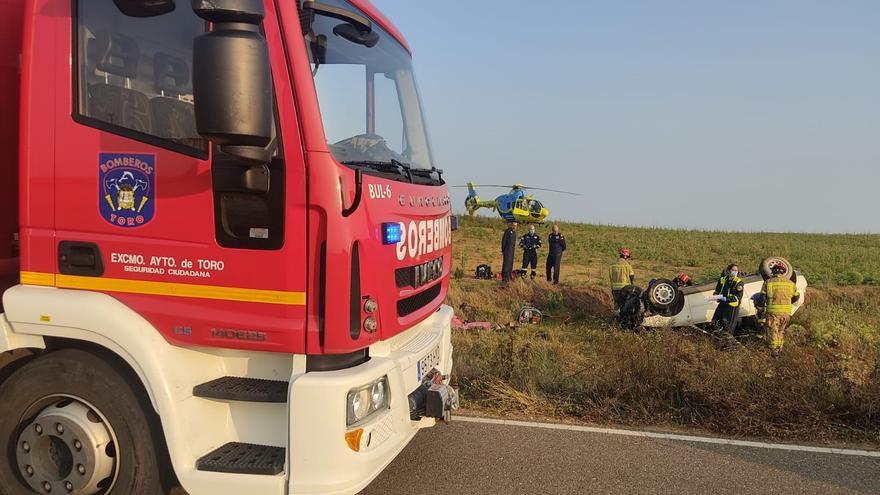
{"points": [[779, 294], [620, 273], [732, 290]]}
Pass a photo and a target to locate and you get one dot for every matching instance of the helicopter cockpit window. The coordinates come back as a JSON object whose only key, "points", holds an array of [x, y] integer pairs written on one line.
{"points": [[368, 97], [530, 205]]}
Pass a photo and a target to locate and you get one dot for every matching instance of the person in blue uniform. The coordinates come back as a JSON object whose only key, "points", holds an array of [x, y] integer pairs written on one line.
{"points": [[556, 242], [530, 243], [508, 251]]}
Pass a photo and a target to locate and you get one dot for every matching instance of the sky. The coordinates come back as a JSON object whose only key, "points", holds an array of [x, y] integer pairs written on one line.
{"points": [[749, 115]]}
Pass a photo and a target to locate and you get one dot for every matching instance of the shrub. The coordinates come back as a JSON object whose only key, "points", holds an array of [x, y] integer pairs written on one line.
{"points": [[851, 278]]}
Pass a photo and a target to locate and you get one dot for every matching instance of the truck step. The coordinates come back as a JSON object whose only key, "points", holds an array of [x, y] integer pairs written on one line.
{"points": [[243, 389], [244, 458]]}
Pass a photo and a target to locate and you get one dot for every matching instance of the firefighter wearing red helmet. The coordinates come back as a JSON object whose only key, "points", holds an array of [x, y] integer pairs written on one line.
{"points": [[682, 280], [777, 296], [621, 274]]}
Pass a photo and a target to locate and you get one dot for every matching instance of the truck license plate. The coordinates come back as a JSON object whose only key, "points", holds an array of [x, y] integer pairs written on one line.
{"points": [[427, 363]]}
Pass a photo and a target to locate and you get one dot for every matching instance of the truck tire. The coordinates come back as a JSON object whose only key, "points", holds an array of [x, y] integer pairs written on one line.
{"points": [[766, 263], [70, 423], [662, 295]]}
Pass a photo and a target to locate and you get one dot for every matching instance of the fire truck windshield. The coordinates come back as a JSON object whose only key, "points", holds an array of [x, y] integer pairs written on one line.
{"points": [[369, 102]]}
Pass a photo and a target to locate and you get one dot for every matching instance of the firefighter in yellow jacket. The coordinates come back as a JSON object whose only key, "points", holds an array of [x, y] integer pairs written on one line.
{"points": [[777, 296], [621, 274]]}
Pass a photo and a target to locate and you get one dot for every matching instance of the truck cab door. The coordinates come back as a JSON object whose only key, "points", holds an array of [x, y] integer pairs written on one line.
{"points": [[177, 236]]}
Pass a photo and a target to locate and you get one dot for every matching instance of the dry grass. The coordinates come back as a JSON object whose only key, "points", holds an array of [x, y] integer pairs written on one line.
{"points": [[824, 387], [826, 260]]}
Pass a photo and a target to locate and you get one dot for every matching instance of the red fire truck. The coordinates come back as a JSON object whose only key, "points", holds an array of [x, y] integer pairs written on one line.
{"points": [[224, 248]]}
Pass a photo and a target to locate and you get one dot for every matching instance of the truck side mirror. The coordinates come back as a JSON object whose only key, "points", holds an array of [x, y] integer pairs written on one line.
{"points": [[232, 84], [144, 8]]}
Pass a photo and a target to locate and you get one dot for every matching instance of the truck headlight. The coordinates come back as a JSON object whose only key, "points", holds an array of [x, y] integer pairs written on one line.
{"points": [[377, 392], [360, 406], [365, 401]]}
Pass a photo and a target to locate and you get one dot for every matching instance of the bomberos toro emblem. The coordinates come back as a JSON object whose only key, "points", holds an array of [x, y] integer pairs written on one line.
{"points": [[126, 188]]}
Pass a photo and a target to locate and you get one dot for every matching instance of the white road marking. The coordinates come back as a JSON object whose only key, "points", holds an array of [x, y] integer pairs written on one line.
{"points": [[670, 436]]}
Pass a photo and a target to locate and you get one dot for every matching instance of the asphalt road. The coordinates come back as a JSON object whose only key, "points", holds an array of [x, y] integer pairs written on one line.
{"points": [[475, 458]]}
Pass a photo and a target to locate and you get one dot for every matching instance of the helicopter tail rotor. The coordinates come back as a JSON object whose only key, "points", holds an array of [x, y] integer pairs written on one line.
{"points": [[471, 190], [472, 200]]}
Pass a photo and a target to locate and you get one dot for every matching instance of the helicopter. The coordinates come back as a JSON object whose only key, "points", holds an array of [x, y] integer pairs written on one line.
{"points": [[515, 206]]}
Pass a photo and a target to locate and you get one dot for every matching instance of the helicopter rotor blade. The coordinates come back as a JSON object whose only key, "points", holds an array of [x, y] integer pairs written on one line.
{"points": [[552, 190], [487, 185], [517, 186]]}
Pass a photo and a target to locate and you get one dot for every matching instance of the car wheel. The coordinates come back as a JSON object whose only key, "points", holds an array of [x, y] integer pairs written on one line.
{"points": [[70, 423], [766, 263], [662, 294]]}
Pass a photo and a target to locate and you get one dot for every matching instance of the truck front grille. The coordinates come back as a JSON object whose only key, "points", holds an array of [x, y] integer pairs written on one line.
{"points": [[430, 271], [411, 304], [404, 277]]}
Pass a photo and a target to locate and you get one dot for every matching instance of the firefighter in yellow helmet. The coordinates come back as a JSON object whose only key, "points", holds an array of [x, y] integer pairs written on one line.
{"points": [[777, 296], [621, 274]]}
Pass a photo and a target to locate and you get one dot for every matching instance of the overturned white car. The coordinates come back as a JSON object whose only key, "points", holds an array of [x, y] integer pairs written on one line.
{"points": [[666, 303]]}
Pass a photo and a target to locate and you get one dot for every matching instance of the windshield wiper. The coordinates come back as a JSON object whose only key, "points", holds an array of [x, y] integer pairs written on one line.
{"points": [[396, 166], [392, 166], [428, 172], [406, 167]]}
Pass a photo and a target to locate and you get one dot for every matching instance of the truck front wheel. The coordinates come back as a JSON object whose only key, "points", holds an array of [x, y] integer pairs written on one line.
{"points": [[71, 424]]}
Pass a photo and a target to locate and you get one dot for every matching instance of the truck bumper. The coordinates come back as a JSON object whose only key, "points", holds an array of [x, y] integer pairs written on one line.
{"points": [[320, 460]]}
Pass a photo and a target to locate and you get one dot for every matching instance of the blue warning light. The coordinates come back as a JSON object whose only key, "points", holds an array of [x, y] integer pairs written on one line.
{"points": [[391, 233]]}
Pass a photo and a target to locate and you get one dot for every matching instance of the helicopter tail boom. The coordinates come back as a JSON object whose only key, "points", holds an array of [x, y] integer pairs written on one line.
{"points": [[473, 202]]}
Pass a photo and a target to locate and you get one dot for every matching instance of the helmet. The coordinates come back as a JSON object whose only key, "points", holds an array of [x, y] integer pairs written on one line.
{"points": [[624, 252], [778, 268], [683, 278]]}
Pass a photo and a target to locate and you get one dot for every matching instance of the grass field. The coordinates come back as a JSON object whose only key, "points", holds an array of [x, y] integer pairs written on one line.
{"points": [[826, 260], [824, 387]]}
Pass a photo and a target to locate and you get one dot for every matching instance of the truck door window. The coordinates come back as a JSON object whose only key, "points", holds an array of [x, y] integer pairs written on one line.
{"points": [[134, 75]]}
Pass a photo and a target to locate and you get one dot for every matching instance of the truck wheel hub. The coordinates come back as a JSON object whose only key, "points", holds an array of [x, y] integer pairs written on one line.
{"points": [[68, 448]]}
